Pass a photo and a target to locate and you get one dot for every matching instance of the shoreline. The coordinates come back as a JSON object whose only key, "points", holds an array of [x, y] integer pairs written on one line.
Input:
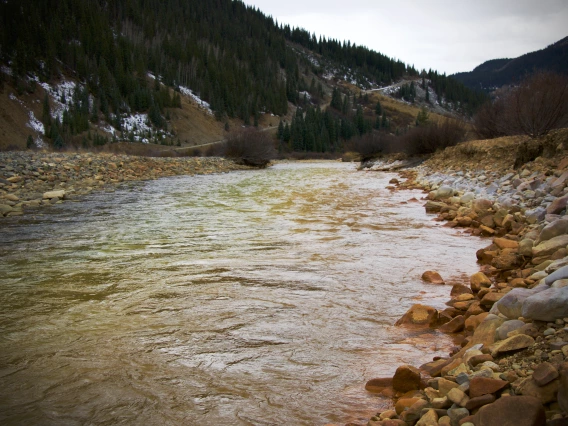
{"points": [[30, 180], [511, 317]]}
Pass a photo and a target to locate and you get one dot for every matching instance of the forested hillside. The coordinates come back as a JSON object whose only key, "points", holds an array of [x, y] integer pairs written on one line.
{"points": [[235, 58], [498, 72]]}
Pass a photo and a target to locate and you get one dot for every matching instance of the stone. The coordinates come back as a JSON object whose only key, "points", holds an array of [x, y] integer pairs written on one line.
{"points": [[404, 404], [456, 325], [434, 206], [457, 396], [479, 386], [548, 247], [490, 298], [473, 321], [389, 414], [479, 401], [545, 394], [514, 343], [419, 315], [456, 414], [507, 259], [432, 277], [481, 205], [559, 283], [511, 411], [525, 247], [479, 280], [507, 327], [559, 274], [547, 305], [558, 205], [511, 305], [459, 289], [544, 373], [60, 194], [445, 386], [554, 229], [406, 378], [444, 421], [479, 359], [441, 193], [434, 368], [428, 419], [504, 243]]}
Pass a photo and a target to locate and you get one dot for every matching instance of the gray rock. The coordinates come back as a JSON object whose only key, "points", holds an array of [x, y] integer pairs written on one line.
{"points": [[554, 229], [555, 265], [507, 327], [441, 193], [557, 205], [560, 274], [548, 247], [511, 304], [547, 305], [456, 414]]}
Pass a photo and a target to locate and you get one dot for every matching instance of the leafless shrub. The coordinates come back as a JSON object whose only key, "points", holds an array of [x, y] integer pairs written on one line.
{"points": [[490, 122], [250, 147], [372, 145], [436, 136], [540, 104], [534, 108]]}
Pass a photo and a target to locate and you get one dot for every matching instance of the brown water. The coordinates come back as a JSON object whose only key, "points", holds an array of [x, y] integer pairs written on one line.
{"points": [[250, 298]]}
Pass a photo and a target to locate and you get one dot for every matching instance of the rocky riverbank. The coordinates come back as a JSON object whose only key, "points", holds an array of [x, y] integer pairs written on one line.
{"points": [[511, 318], [30, 180]]}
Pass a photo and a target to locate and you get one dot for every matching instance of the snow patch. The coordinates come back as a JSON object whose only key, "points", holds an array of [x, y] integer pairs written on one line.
{"points": [[197, 99], [35, 124]]}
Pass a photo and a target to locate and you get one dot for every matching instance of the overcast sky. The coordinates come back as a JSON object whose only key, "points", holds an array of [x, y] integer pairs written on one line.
{"points": [[447, 35]]}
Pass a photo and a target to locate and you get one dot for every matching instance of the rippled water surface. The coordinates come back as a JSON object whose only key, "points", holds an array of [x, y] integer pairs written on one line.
{"points": [[251, 298]]}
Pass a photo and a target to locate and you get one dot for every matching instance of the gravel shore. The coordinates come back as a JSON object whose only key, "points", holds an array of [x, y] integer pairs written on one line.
{"points": [[31, 180]]}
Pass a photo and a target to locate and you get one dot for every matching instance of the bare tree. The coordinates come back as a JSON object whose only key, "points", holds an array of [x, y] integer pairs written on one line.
{"points": [[250, 147], [539, 104], [534, 108]]}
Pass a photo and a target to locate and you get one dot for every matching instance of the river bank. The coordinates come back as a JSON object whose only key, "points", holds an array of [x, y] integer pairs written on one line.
{"points": [[511, 317], [30, 180]]}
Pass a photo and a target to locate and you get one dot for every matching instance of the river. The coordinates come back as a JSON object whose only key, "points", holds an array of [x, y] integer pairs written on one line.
{"points": [[250, 298]]}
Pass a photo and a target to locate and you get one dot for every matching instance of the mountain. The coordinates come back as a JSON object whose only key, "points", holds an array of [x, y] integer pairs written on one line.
{"points": [[129, 67], [498, 72]]}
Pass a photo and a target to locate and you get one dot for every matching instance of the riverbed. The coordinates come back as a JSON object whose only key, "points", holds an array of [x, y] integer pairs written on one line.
{"points": [[253, 297]]}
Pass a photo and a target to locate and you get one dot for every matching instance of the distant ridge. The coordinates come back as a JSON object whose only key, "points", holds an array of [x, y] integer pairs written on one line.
{"points": [[498, 72]]}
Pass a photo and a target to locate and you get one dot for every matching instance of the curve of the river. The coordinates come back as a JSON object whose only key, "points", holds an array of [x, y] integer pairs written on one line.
{"points": [[250, 298]]}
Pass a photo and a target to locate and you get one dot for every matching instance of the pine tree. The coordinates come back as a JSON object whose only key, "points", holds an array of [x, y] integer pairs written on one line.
{"points": [[378, 108]]}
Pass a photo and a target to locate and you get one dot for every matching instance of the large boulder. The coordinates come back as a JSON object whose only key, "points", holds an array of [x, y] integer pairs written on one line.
{"points": [[511, 411], [547, 305], [406, 378], [554, 229], [432, 277], [511, 305], [513, 343], [548, 247], [559, 274], [478, 281], [557, 205], [441, 193], [479, 386], [419, 315]]}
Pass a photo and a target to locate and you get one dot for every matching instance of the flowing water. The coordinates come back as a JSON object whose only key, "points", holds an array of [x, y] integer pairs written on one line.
{"points": [[250, 298]]}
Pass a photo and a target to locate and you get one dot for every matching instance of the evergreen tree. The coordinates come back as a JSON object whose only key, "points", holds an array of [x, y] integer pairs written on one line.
{"points": [[378, 108]]}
